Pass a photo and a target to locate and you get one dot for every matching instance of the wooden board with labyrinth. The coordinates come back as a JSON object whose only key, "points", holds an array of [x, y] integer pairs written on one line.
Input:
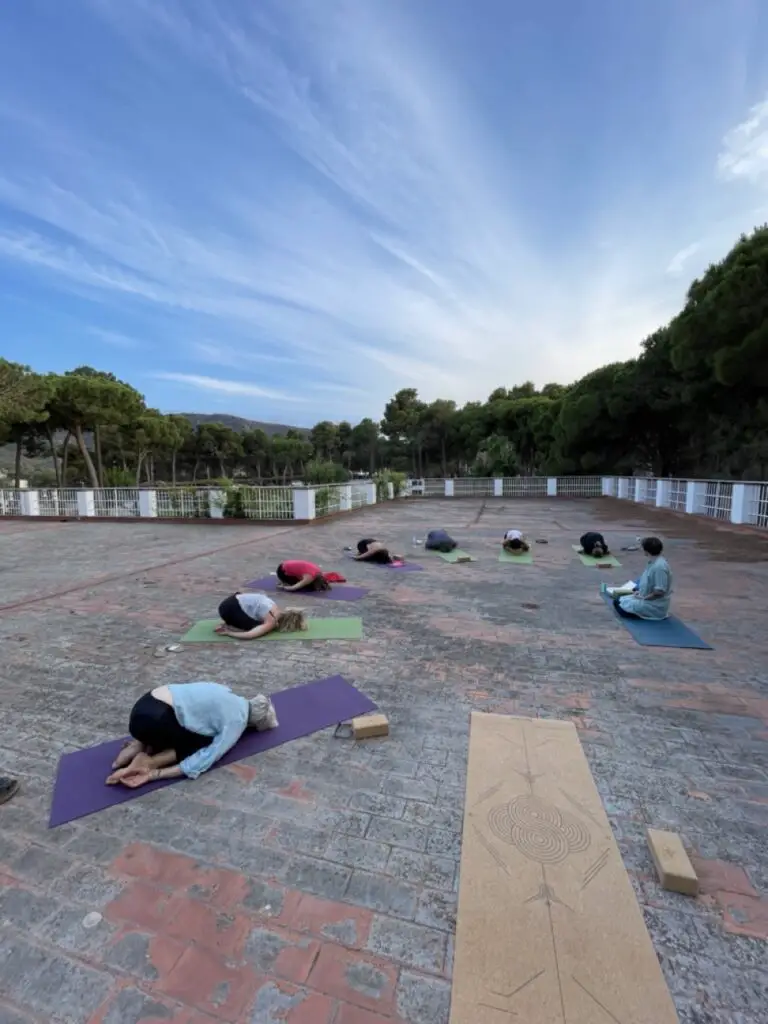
{"points": [[548, 930]]}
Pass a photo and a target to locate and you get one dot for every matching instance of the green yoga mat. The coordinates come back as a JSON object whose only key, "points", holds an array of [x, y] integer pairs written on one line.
{"points": [[589, 560], [319, 629], [453, 556], [526, 558]]}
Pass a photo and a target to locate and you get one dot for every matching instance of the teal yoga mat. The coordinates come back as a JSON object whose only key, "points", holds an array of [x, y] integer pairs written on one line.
{"points": [[670, 632]]}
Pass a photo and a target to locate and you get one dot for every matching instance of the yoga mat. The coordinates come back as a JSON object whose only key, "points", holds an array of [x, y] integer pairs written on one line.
{"points": [[402, 567], [548, 926], [670, 632], [338, 591], [453, 556], [593, 562], [526, 558], [80, 788], [319, 629]]}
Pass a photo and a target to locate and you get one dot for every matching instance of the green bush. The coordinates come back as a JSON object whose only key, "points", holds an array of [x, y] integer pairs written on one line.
{"points": [[116, 477], [389, 476], [326, 473]]}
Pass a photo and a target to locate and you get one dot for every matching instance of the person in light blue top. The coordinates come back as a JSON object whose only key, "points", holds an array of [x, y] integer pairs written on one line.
{"points": [[652, 595], [184, 729]]}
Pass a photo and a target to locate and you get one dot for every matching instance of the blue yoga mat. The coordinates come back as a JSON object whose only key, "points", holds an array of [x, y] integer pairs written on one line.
{"points": [[669, 632]]}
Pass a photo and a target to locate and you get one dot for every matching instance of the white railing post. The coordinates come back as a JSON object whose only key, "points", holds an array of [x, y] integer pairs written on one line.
{"points": [[148, 504], [370, 493], [608, 486], [29, 503], [86, 504], [745, 496], [498, 488], [217, 501], [551, 486], [390, 490], [449, 488], [695, 495], [345, 498], [623, 488], [304, 503], [640, 488], [663, 493]]}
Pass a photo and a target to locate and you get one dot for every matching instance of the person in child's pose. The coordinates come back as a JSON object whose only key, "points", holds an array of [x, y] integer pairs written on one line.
{"points": [[370, 550], [514, 543], [593, 544], [184, 729], [249, 616], [296, 574]]}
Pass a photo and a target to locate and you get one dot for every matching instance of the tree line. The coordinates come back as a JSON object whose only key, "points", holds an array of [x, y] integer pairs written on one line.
{"points": [[694, 402]]}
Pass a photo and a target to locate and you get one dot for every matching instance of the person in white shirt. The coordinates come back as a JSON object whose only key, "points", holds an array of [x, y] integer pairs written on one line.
{"points": [[514, 543], [249, 616]]}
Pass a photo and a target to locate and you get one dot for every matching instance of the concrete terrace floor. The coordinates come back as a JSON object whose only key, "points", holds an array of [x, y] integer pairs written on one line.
{"points": [[316, 884]]}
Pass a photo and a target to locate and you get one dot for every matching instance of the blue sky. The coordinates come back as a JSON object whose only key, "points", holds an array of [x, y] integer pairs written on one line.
{"points": [[290, 209]]}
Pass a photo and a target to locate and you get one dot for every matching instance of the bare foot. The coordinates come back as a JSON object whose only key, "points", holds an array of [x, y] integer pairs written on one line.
{"points": [[127, 754]]}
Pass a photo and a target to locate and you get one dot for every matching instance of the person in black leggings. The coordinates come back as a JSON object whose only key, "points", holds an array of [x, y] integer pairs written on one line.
{"points": [[371, 550], [184, 729]]}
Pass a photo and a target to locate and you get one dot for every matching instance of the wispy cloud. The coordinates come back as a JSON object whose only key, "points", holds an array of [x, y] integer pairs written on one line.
{"points": [[677, 264], [745, 148], [312, 193], [114, 338], [228, 387]]}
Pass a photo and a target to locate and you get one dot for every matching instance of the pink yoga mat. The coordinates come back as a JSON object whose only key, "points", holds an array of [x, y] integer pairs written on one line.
{"points": [[338, 591], [80, 788]]}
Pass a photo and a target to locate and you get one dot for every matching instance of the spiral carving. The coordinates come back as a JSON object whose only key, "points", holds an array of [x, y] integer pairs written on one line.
{"points": [[539, 830]]}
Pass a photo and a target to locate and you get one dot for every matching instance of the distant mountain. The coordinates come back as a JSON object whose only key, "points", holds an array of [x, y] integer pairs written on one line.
{"points": [[239, 423]]}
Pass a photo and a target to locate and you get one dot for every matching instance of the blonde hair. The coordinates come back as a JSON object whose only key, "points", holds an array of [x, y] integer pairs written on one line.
{"points": [[291, 620]]}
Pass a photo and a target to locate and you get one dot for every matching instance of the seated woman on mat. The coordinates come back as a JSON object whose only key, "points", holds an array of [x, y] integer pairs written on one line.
{"points": [[652, 595], [296, 574], [370, 550], [593, 544], [249, 616], [514, 543], [184, 729]]}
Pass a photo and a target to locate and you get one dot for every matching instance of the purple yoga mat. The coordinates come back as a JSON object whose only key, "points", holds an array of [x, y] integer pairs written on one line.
{"points": [[404, 567], [80, 788], [338, 591]]}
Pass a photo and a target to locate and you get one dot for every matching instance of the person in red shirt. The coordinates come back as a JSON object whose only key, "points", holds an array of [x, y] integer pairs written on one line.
{"points": [[296, 574]]}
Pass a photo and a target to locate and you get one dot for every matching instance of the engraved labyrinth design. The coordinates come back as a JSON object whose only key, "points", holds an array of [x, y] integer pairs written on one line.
{"points": [[539, 830]]}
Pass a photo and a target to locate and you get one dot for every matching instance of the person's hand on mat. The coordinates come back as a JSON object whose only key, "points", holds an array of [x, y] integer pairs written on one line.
{"points": [[138, 778], [130, 749], [222, 629]]}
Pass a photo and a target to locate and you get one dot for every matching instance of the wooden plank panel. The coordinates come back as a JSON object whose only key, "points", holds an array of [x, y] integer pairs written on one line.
{"points": [[548, 930]]}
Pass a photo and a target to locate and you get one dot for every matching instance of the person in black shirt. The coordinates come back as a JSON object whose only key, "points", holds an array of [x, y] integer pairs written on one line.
{"points": [[593, 544]]}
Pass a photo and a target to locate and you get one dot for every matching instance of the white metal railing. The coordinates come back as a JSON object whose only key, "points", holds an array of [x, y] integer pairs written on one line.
{"points": [[10, 503], [739, 502], [278, 503], [117, 502], [524, 487], [678, 492], [758, 505], [579, 486], [718, 499]]}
